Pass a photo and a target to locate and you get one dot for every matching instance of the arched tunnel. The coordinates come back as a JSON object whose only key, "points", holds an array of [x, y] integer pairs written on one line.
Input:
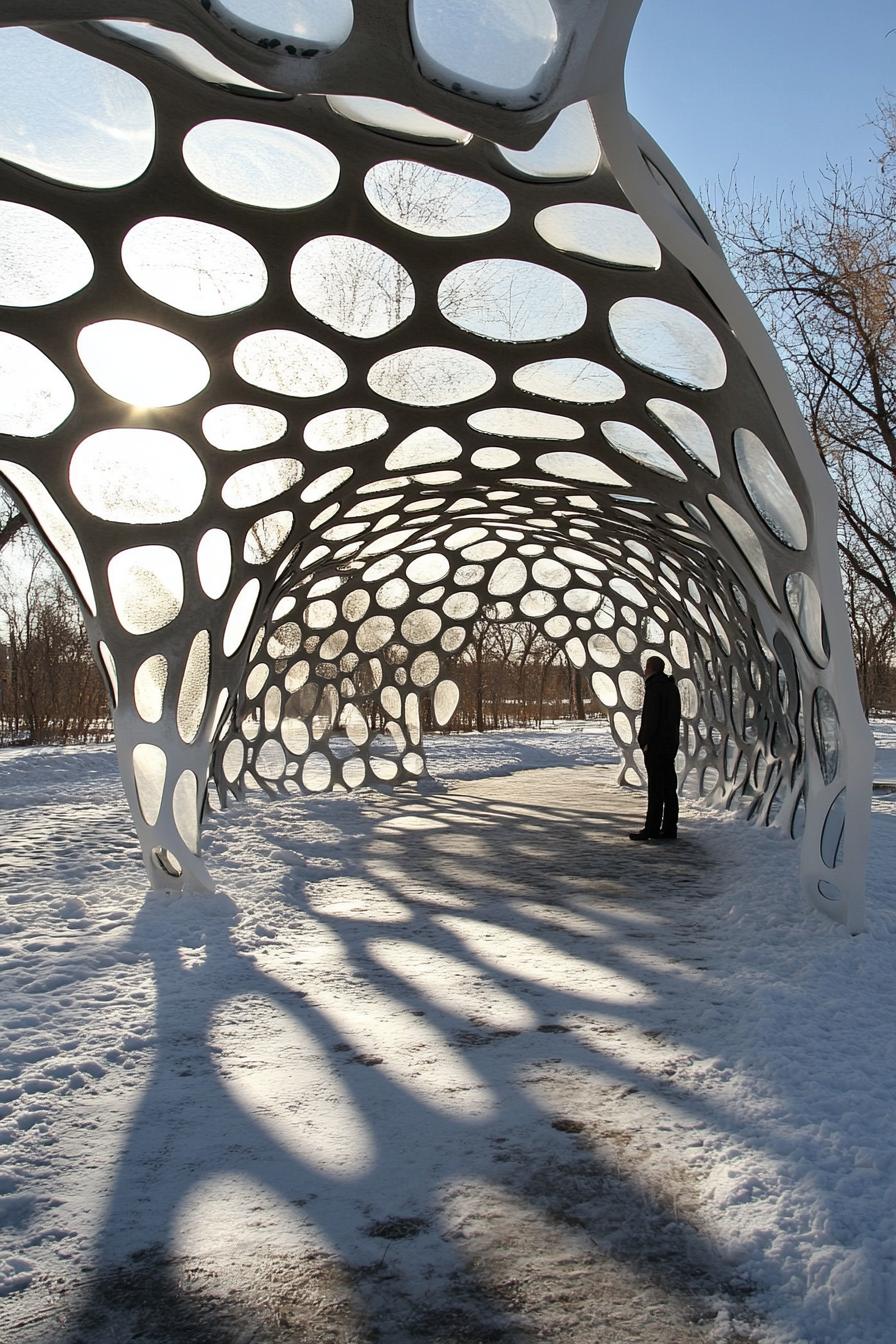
{"points": [[299, 381]]}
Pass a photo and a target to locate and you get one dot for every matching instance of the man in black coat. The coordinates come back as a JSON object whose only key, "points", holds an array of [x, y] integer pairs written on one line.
{"points": [[658, 739]]}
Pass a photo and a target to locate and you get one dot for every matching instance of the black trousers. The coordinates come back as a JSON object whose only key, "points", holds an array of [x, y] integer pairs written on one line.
{"points": [[662, 793]]}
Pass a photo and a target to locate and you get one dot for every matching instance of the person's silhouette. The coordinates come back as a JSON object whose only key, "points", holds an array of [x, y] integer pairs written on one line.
{"points": [[658, 737]]}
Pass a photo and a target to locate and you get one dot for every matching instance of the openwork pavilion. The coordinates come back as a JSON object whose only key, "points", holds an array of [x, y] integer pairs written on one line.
{"points": [[319, 341]]}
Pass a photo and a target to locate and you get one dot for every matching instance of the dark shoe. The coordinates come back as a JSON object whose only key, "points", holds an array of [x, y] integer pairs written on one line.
{"points": [[667, 835], [642, 835]]}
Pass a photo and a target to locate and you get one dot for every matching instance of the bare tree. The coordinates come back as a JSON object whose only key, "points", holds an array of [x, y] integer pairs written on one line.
{"points": [[50, 690], [12, 520], [874, 642], [509, 674], [824, 278]]}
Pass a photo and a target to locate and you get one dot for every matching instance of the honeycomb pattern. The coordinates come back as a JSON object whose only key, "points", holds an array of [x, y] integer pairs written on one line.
{"points": [[298, 386]]}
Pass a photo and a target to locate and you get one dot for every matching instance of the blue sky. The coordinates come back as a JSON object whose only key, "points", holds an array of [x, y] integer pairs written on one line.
{"points": [[772, 86]]}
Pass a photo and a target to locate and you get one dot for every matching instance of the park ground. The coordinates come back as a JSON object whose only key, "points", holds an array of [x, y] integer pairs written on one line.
{"points": [[459, 1063]]}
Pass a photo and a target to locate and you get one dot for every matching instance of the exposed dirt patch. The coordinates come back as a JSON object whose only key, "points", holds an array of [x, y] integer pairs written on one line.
{"points": [[567, 1126], [396, 1229]]}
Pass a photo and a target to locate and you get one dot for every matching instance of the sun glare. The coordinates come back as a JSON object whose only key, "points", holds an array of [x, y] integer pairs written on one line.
{"points": [[141, 364]]}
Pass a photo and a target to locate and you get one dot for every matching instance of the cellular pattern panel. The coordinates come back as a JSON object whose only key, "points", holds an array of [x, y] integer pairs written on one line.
{"points": [[319, 346]]}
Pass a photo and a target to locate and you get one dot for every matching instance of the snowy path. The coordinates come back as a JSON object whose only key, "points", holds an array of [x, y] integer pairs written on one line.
{"points": [[465, 1065]]}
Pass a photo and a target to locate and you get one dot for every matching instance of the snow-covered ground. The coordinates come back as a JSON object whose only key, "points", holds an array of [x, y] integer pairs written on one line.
{"points": [[885, 756], [455, 1064]]}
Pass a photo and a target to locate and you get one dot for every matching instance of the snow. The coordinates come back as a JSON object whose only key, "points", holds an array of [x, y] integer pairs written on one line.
{"points": [[460, 1056], [885, 756]]}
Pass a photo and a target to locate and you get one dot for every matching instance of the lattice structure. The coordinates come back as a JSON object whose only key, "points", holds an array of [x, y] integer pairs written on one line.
{"points": [[298, 381]]}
